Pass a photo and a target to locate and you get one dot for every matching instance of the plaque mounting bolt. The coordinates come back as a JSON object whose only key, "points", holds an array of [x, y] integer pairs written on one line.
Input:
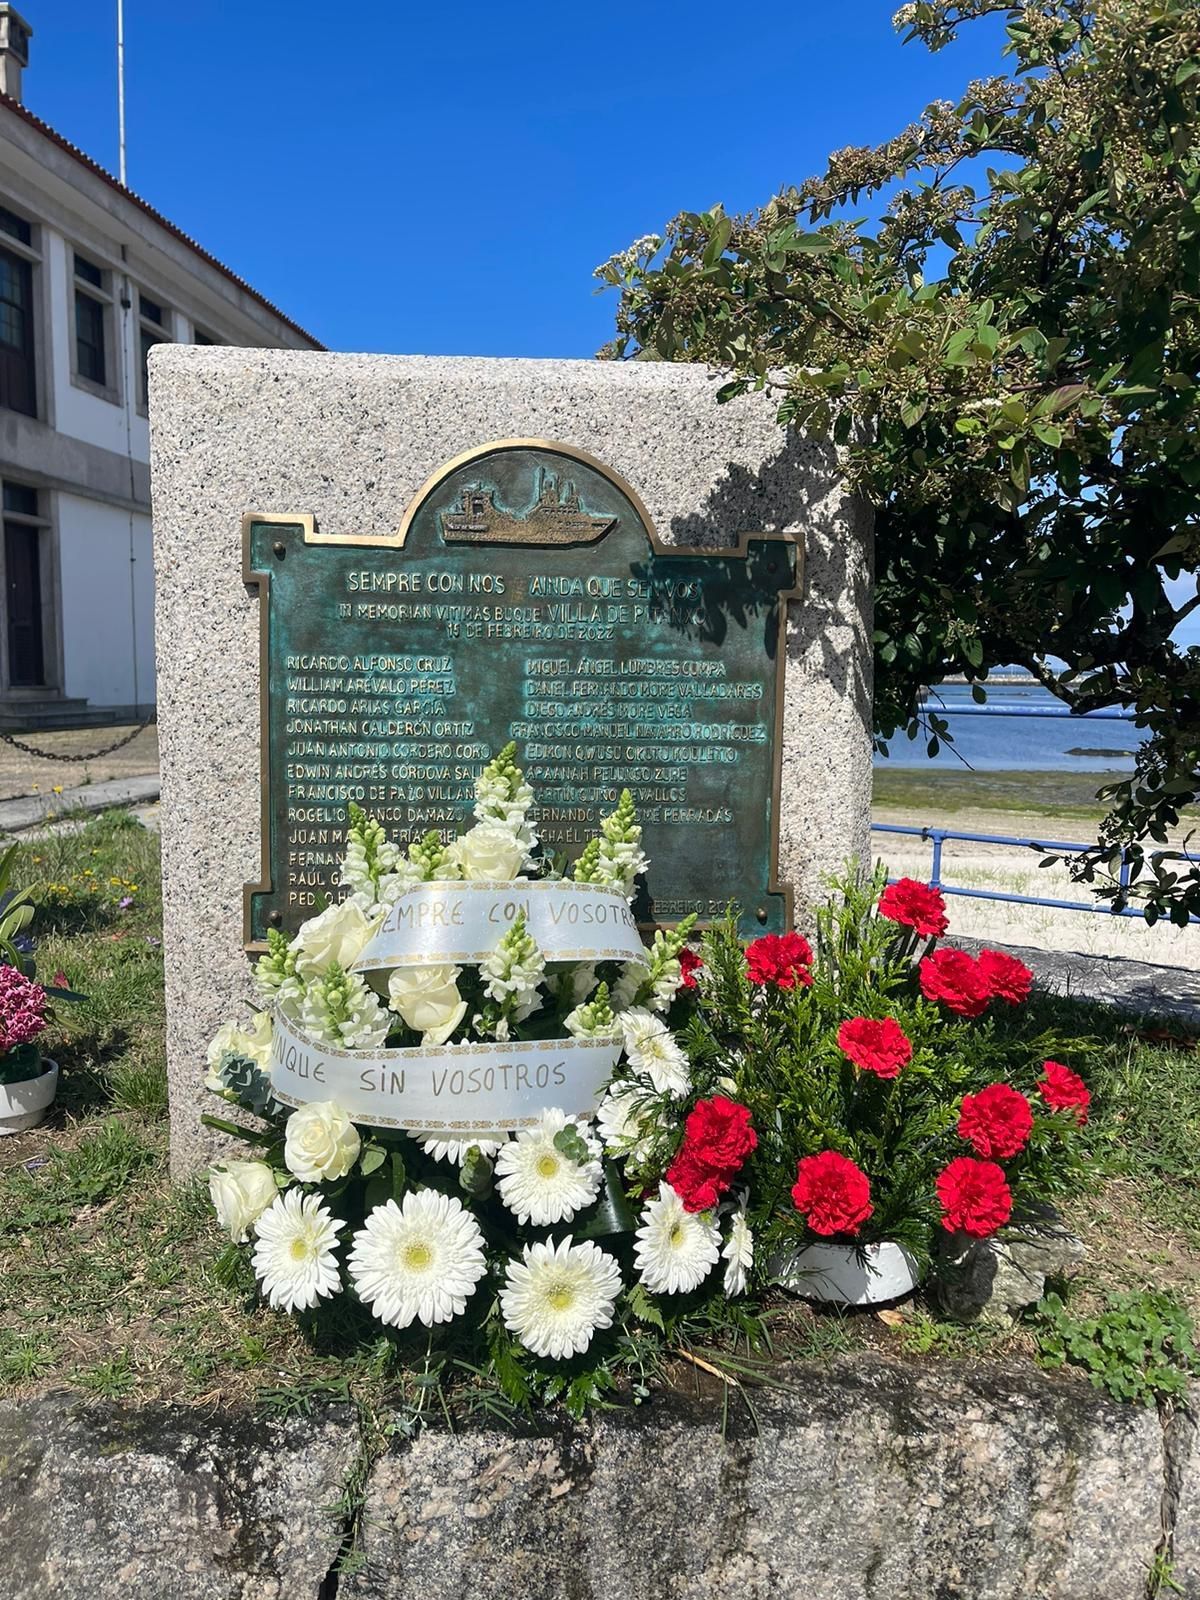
{"points": [[279, 548], [275, 918], [761, 913]]}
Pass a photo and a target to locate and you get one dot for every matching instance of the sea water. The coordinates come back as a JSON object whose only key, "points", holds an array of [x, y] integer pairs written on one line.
{"points": [[995, 743]]}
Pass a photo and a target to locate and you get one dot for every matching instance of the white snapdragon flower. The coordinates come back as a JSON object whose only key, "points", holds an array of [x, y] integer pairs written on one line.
{"points": [[340, 1009], [594, 1019], [240, 1192], [295, 1258], [513, 973], [428, 1000], [321, 1144], [557, 1296], [676, 1249], [650, 1047], [334, 939]]}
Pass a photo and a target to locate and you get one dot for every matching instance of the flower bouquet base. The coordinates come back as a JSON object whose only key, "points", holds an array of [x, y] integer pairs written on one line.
{"points": [[846, 1274], [24, 1104]]}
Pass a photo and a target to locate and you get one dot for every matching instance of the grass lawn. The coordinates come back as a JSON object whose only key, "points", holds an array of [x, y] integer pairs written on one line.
{"points": [[119, 1285], [941, 793]]}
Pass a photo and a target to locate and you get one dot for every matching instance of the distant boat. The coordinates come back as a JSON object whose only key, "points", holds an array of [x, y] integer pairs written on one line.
{"points": [[557, 516]]}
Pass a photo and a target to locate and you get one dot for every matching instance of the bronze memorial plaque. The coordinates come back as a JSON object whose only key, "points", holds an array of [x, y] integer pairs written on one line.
{"points": [[525, 596]]}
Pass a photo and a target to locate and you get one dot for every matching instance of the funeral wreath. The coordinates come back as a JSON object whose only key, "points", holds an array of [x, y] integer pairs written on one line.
{"points": [[486, 1112]]}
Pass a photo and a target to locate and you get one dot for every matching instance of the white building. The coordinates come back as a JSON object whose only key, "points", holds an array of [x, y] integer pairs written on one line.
{"points": [[90, 277]]}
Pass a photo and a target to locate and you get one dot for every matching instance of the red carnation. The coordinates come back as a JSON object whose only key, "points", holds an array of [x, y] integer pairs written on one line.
{"points": [[833, 1193], [1064, 1090], [916, 905], [997, 1121], [717, 1138], [1007, 978], [779, 959], [955, 978], [878, 1047], [974, 1197], [689, 964]]}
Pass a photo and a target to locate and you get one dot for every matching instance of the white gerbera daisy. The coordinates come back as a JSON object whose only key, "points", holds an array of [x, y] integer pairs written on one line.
{"points": [[420, 1259], [651, 1048], [676, 1249], [439, 1148], [557, 1295], [738, 1250], [538, 1182], [294, 1259], [623, 1120]]}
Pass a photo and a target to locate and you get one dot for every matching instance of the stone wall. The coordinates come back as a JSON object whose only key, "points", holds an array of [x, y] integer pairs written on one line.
{"points": [[351, 439], [865, 1480]]}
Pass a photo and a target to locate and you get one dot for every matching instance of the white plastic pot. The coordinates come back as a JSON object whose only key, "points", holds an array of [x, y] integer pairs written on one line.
{"points": [[841, 1274], [23, 1105]]}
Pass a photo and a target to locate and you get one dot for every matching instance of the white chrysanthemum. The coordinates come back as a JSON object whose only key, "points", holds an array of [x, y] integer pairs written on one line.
{"points": [[557, 1295], [651, 1048], [418, 1260], [537, 1182], [624, 1120], [439, 1148], [294, 1259], [676, 1249], [738, 1250]]}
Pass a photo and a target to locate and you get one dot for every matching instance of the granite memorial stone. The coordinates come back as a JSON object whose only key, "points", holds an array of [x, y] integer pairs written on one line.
{"points": [[373, 572]]}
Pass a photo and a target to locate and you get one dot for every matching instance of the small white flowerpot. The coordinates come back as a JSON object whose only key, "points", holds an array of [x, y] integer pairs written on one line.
{"points": [[843, 1275], [24, 1104]]}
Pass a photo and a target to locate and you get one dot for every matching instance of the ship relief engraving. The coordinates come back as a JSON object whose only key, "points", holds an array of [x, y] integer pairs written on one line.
{"points": [[555, 515]]}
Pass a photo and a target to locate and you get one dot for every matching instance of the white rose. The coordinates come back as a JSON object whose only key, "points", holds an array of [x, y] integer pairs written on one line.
{"points": [[336, 938], [241, 1191], [253, 1042], [321, 1143], [428, 1000], [488, 852]]}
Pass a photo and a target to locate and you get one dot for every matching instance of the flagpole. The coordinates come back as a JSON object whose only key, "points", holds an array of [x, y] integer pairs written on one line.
{"points": [[121, 87]]}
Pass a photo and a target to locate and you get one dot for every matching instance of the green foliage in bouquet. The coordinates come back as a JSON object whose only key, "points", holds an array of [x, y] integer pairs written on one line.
{"points": [[865, 1090]]}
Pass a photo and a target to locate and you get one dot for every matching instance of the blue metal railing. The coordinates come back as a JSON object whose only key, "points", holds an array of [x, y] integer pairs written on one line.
{"points": [[938, 837]]}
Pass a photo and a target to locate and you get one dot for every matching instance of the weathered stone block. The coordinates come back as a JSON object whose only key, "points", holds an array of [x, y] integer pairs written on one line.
{"points": [[997, 1277], [167, 1504], [865, 1481]]}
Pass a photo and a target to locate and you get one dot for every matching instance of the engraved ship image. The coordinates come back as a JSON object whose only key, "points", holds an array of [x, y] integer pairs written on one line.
{"points": [[556, 516]]}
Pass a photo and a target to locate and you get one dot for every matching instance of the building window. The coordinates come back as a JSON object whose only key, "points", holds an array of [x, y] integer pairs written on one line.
{"points": [[23, 527], [93, 306], [154, 327], [200, 337], [18, 379]]}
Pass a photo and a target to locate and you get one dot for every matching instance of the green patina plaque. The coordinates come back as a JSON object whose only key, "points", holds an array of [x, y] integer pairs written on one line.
{"points": [[525, 596]]}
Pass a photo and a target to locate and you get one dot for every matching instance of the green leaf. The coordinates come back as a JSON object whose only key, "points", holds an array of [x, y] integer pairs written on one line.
{"points": [[372, 1158], [644, 1308]]}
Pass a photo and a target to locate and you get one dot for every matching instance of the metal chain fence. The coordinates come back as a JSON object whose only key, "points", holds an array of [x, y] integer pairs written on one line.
{"points": [[90, 755]]}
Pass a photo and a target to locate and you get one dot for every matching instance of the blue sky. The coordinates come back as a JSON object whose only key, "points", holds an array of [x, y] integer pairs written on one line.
{"points": [[444, 178]]}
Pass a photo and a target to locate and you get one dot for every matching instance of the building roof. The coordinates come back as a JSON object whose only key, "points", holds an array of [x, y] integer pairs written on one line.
{"points": [[23, 111]]}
